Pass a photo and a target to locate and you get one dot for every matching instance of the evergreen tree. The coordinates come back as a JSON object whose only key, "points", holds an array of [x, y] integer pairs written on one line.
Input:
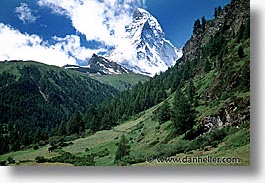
{"points": [[215, 13], [219, 10], [75, 124], [246, 33], [183, 115], [160, 95], [192, 94], [240, 33], [240, 52], [186, 71], [164, 112], [203, 23], [62, 129], [197, 26], [122, 152], [207, 65], [4, 148], [245, 77]]}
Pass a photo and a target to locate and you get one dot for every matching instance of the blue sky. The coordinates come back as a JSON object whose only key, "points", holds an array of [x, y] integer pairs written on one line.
{"points": [[58, 32]]}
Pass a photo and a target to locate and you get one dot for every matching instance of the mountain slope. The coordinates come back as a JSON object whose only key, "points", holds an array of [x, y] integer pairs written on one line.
{"points": [[145, 49], [36, 99], [122, 82]]}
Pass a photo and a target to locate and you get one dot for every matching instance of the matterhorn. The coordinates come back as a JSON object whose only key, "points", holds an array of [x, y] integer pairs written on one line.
{"points": [[144, 49]]}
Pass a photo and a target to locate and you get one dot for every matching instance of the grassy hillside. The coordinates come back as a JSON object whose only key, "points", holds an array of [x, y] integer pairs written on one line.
{"points": [[147, 138], [121, 81]]}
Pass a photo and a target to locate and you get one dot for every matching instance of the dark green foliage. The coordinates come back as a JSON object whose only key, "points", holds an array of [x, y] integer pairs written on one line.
{"points": [[197, 26], [75, 124], [87, 160], [240, 33], [35, 146], [183, 114], [245, 77], [40, 159], [238, 139], [2, 163], [240, 52], [103, 153], [244, 31], [160, 95], [192, 94], [214, 138], [62, 129], [207, 66], [203, 23], [11, 160], [181, 146], [225, 96], [66, 157], [215, 13], [215, 44], [4, 141], [122, 152], [165, 150], [129, 103], [164, 112], [219, 10]]}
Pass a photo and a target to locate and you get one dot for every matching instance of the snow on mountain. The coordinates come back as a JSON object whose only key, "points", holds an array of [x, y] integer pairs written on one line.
{"points": [[144, 48], [99, 65]]}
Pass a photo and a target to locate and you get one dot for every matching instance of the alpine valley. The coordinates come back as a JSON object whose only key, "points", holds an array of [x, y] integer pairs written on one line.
{"points": [[145, 103]]}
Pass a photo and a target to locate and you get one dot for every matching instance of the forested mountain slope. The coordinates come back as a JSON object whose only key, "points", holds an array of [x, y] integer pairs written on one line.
{"points": [[35, 99]]}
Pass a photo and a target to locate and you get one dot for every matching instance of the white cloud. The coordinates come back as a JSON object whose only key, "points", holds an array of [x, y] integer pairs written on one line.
{"points": [[98, 20], [72, 46], [102, 20], [18, 46], [24, 13]]}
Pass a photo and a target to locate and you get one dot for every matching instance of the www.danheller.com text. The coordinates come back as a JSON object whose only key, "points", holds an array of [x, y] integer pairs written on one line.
{"points": [[195, 160]]}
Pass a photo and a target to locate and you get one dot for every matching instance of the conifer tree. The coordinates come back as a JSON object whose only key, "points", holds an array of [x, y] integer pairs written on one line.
{"points": [[240, 52], [183, 115], [192, 94], [197, 25], [164, 112], [62, 129], [215, 13], [75, 124], [122, 152], [207, 66], [203, 23]]}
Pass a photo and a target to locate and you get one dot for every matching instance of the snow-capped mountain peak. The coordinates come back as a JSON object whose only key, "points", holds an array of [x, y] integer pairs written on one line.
{"points": [[144, 48]]}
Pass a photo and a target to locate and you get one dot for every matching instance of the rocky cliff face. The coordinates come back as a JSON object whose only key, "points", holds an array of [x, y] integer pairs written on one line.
{"points": [[228, 72], [233, 113], [232, 15]]}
